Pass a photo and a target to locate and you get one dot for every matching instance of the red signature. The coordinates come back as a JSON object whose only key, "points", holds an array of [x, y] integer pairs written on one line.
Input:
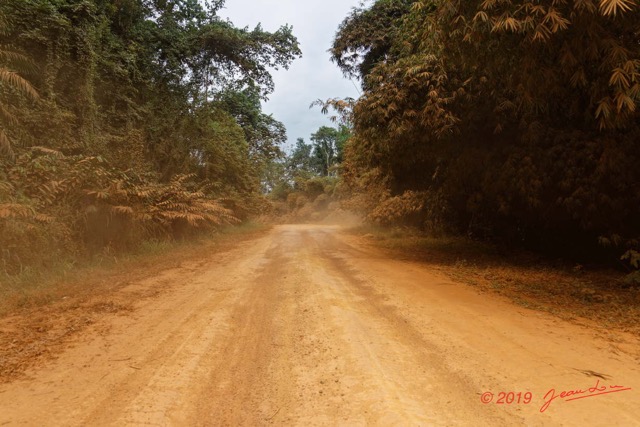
{"points": [[569, 395]]}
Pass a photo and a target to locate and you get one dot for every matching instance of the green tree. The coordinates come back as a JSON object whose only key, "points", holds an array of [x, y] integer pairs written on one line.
{"points": [[367, 36], [300, 162], [149, 120], [263, 133], [326, 150]]}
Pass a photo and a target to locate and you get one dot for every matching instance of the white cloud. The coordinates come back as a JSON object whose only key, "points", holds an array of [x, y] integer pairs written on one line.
{"points": [[311, 77]]}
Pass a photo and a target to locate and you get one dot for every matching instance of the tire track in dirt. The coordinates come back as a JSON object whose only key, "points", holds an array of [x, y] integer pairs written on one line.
{"points": [[310, 326]]}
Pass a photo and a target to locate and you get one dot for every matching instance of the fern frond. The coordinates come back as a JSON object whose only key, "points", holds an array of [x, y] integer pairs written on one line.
{"points": [[45, 219], [123, 210], [6, 187], [613, 7], [14, 79], [12, 56], [48, 151], [15, 210], [7, 115], [5, 146]]}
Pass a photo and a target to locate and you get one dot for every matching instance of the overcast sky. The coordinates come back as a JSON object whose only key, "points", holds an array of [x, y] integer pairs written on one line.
{"points": [[311, 77]]}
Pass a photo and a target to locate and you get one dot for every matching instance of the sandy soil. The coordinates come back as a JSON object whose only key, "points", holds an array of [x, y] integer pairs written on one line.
{"points": [[311, 326]]}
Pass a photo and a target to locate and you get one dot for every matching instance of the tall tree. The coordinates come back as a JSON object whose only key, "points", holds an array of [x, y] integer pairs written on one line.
{"points": [[264, 134], [300, 162], [328, 145]]}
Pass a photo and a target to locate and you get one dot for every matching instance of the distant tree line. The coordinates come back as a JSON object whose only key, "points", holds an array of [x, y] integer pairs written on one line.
{"points": [[303, 183]]}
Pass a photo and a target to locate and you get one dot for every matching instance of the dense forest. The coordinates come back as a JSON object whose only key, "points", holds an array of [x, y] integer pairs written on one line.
{"points": [[128, 120], [511, 121], [515, 121]]}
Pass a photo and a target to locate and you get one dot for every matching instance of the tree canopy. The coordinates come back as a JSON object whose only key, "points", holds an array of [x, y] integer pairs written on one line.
{"points": [[121, 120]]}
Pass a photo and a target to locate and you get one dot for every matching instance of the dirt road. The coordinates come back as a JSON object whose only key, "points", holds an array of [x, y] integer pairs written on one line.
{"points": [[309, 325]]}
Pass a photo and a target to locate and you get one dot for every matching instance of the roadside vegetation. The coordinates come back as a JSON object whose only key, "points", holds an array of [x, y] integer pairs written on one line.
{"points": [[513, 122], [129, 122], [135, 124]]}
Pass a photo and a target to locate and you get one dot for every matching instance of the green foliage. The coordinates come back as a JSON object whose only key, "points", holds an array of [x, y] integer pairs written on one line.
{"points": [[263, 133], [366, 37], [130, 119], [325, 149], [310, 169], [229, 51], [300, 164]]}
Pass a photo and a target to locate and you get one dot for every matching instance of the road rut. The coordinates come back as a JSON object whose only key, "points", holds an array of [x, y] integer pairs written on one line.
{"points": [[309, 325]]}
